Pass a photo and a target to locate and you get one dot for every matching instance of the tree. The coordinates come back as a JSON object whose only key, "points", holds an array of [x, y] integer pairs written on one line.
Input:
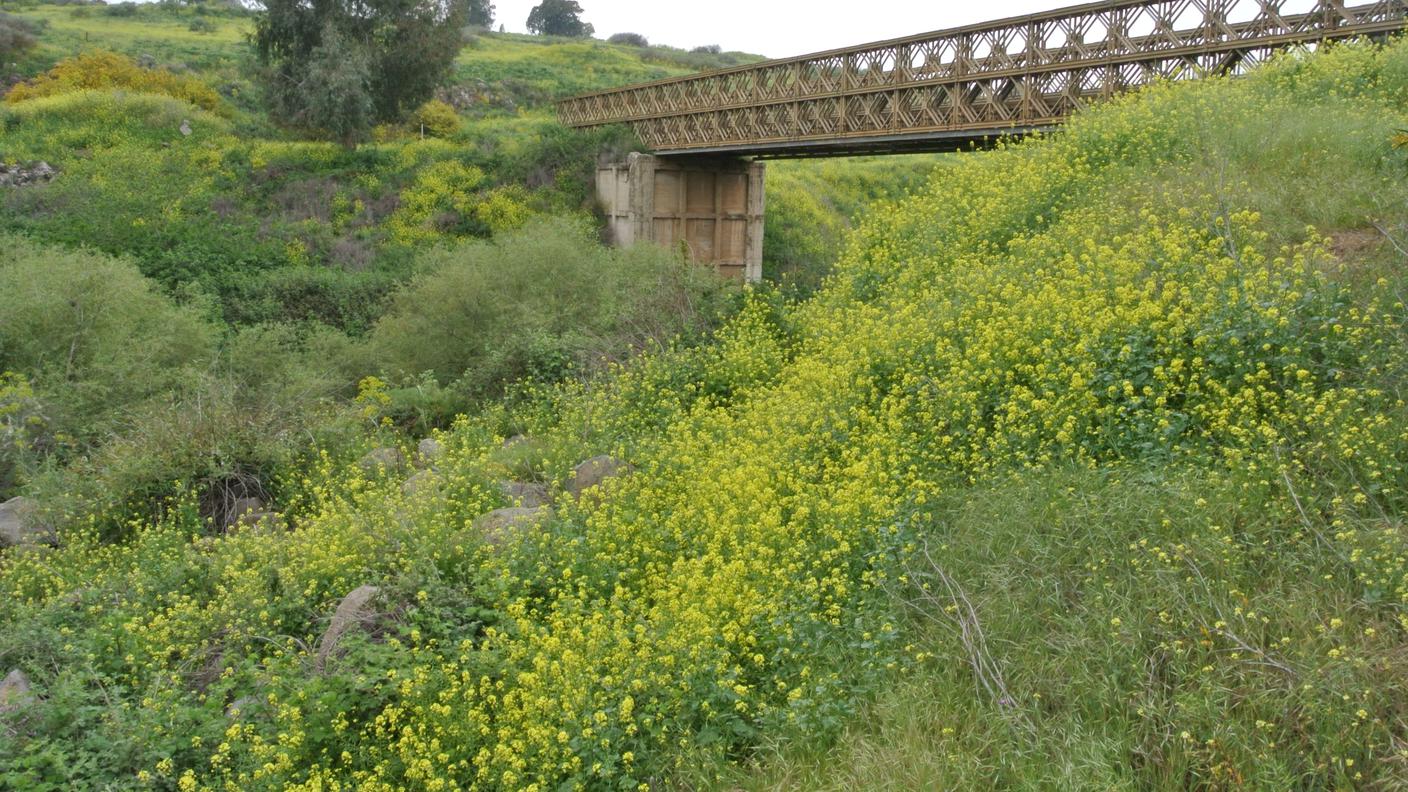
{"points": [[481, 13], [559, 18], [340, 67], [337, 90]]}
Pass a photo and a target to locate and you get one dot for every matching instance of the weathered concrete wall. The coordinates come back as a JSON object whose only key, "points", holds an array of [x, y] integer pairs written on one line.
{"points": [[712, 207]]}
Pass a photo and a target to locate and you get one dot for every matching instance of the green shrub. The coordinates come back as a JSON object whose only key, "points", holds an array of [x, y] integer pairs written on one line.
{"points": [[17, 37], [222, 432], [93, 336], [125, 9], [629, 40], [108, 70], [437, 119], [538, 303]]}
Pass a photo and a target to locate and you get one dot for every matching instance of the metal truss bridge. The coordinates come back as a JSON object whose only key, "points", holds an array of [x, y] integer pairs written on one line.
{"points": [[952, 89]]}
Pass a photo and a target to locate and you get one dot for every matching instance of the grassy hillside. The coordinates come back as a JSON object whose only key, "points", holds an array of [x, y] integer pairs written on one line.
{"points": [[279, 229], [1085, 469]]}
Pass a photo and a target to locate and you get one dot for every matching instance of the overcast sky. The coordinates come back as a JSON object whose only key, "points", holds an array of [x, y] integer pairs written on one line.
{"points": [[777, 28]]}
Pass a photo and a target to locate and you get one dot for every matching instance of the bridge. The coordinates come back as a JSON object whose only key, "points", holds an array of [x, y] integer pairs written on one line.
{"points": [[943, 91]]}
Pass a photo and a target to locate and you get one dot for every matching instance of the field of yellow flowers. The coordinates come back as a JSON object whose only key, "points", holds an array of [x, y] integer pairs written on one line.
{"points": [[1084, 470]]}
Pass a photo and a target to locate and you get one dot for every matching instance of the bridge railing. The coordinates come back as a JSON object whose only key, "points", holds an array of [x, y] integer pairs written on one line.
{"points": [[1027, 71]]}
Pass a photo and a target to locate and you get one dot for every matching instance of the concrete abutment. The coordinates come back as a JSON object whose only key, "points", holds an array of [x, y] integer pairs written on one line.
{"points": [[711, 207]]}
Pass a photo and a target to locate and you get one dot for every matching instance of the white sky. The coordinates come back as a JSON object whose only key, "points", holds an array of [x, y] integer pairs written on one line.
{"points": [[776, 28]]}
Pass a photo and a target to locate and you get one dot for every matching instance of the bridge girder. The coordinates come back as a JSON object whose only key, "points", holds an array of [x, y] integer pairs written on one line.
{"points": [[953, 89]]}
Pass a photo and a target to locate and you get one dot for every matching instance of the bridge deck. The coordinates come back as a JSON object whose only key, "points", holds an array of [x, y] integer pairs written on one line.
{"points": [[948, 89]]}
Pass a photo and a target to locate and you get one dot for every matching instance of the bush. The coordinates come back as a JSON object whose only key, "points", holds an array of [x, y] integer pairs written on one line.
{"points": [[708, 49], [440, 202], [17, 37], [103, 70], [538, 304], [203, 25], [629, 40], [437, 118], [223, 432], [92, 335], [126, 9]]}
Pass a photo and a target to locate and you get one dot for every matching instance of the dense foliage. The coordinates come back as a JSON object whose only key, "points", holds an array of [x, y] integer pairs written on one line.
{"points": [[102, 71], [340, 68], [559, 18], [539, 304], [1109, 382]]}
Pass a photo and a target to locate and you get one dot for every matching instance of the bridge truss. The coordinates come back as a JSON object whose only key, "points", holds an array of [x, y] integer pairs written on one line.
{"points": [[948, 89]]}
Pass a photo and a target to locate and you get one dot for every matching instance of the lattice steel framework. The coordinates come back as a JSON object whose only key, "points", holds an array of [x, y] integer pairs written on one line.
{"points": [[946, 89]]}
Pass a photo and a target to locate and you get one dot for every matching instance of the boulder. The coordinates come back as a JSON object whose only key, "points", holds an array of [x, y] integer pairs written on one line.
{"points": [[355, 612], [430, 451], [241, 509], [501, 526], [422, 482], [260, 519], [593, 472], [26, 175], [241, 706], [525, 494], [15, 693], [19, 524], [381, 460]]}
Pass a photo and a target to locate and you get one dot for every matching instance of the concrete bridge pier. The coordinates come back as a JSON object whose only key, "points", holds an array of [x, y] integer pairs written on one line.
{"points": [[711, 207]]}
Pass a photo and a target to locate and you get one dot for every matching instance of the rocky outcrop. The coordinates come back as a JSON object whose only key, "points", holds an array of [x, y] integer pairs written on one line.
{"points": [[15, 692], [20, 524], [241, 509], [241, 706], [429, 451], [426, 481], [355, 612], [504, 526], [382, 460], [26, 175], [593, 472], [527, 495]]}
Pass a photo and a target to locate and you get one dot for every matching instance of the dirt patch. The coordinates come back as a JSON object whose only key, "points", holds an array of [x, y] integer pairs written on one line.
{"points": [[1355, 243]]}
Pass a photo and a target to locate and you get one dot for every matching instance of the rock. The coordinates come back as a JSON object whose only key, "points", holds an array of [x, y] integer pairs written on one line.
{"points": [[381, 460], [500, 526], [185, 128], [516, 440], [26, 175], [15, 693], [241, 509], [260, 519], [525, 494], [424, 481], [430, 450], [19, 524], [241, 706], [354, 612], [593, 472]]}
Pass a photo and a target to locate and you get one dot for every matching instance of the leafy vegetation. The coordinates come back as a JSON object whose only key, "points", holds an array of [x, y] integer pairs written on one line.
{"points": [[539, 304], [103, 71], [17, 37], [559, 18], [341, 69]]}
